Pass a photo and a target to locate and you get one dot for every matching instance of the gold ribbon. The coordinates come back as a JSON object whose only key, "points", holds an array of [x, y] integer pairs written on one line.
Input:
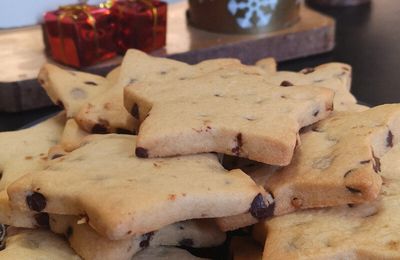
{"points": [[69, 11]]}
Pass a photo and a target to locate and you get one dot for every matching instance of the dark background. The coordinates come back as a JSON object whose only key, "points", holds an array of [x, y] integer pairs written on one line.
{"points": [[367, 37]]}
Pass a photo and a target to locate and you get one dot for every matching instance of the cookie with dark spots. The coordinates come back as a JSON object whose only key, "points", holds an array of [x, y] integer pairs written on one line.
{"points": [[71, 90], [172, 113], [335, 76], [108, 165], [355, 231], [340, 163], [90, 245], [136, 67], [25, 151], [36, 244]]}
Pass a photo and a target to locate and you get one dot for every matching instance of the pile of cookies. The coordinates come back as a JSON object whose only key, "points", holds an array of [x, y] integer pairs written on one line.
{"points": [[162, 160]]}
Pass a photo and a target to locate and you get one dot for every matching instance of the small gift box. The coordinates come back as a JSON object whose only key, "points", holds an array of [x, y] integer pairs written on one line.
{"points": [[141, 24], [80, 35]]}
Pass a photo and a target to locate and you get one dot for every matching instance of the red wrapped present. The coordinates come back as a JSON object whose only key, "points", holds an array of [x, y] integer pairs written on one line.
{"points": [[141, 24], [80, 35]]}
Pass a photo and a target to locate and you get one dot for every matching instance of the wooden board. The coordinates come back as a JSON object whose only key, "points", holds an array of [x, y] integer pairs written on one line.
{"points": [[22, 51]]}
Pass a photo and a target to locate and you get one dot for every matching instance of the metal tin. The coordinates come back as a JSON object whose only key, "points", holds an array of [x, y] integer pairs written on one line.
{"points": [[243, 16]]}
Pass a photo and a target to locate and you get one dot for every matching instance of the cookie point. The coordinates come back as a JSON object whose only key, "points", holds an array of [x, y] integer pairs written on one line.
{"points": [[259, 209], [141, 152], [36, 201]]}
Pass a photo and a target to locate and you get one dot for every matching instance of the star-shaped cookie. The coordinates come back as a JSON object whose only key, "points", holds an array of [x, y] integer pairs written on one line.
{"points": [[365, 231], [233, 110], [122, 195]]}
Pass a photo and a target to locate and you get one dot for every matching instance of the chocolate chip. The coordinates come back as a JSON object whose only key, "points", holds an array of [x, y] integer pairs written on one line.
{"points": [[146, 240], [55, 156], [350, 205], [69, 232], [1, 174], [123, 131], [36, 201], [365, 161], [316, 113], [377, 163], [239, 144], [217, 95], [60, 104], [141, 152], [91, 83], [42, 219], [259, 210], [99, 129], [307, 70], [186, 242], [286, 83], [353, 190], [163, 72], [135, 111], [389, 139]]}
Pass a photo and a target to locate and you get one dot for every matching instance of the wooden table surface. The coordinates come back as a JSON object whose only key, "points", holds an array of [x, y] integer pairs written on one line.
{"points": [[367, 37]]}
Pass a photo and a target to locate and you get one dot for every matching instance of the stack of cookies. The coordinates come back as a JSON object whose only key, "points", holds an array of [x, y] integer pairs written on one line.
{"points": [[162, 160]]}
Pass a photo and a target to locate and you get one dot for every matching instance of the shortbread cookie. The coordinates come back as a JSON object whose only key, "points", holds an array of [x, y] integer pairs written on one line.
{"points": [[89, 245], [268, 65], [106, 114], [131, 193], [165, 253], [229, 111], [338, 161], [335, 76], [36, 245], [70, 89], [18, 218], [72, 135], [26, 150], [245, 248], [260, 173], [367, 231]]}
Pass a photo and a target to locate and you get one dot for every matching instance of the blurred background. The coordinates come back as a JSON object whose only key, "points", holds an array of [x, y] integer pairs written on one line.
{"points": [[29, 12]]}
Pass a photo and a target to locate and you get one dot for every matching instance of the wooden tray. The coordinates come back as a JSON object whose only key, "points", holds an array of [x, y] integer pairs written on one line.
{"points": [[22, 51]]}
